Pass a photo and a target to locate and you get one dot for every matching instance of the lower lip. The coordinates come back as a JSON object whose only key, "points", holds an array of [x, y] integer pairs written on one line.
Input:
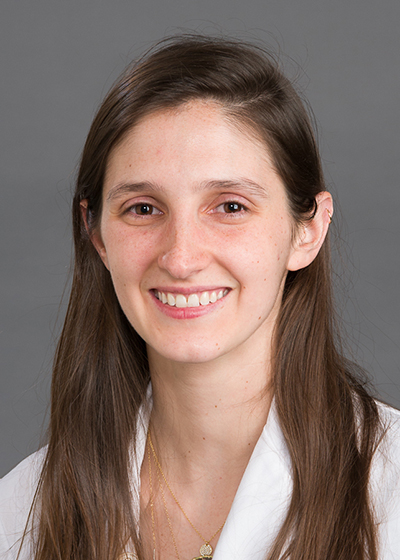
{"points": [[187, 312]]}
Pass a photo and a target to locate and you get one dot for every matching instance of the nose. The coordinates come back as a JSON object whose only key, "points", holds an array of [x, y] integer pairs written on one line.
{"points": [[184, 251]]}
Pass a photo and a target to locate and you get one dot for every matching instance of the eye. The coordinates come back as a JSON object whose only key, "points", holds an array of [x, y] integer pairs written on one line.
{"points": [[143, 209], [231, 207]]}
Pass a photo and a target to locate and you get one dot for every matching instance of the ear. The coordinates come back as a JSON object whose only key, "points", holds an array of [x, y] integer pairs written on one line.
{"points": [[94, 235], [311, 234]]}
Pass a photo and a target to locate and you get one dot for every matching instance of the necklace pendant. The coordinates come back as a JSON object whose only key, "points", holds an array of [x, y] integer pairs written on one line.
{"points": [[205, 551]]}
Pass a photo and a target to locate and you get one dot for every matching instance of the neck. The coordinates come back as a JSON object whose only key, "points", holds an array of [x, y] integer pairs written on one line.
{"points": [[215, 410]]}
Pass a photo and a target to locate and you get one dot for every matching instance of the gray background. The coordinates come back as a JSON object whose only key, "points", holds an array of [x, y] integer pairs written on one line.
{"points": [[57, 61]]}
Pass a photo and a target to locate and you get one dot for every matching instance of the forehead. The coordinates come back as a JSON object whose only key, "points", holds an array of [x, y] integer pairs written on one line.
{"points": [[197, 141]]}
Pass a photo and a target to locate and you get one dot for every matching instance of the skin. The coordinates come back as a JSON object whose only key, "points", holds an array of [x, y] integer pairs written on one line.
{"points": [[191, 203]]}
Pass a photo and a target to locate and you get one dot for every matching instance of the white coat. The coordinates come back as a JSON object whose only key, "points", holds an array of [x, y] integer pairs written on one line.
{"points": [[259, 506]]}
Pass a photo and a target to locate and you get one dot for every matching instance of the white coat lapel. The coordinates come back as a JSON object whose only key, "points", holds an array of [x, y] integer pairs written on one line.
{"points": [[262, 499]]}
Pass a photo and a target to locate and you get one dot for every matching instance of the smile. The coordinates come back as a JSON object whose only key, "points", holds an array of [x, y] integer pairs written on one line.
{"points": [[192, 300]]}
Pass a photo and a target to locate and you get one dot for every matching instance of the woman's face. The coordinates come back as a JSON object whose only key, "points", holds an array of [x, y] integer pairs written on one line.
{"points": [[197, 235]]}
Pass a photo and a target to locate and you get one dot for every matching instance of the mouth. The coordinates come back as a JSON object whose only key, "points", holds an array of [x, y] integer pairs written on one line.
{"points": [[195, 299]]}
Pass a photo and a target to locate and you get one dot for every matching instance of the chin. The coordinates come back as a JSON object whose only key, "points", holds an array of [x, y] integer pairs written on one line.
{"points": [[191, 354]]}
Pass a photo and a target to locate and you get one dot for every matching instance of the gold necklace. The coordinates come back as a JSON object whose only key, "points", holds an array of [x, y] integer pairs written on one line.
{"points": [[152, 506], [206, 549], [167, 515], [165, 509]]}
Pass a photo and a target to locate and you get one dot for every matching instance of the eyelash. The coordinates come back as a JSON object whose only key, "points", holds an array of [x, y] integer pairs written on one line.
{"points": [[235, 208], [240, 207], [143, 204]]}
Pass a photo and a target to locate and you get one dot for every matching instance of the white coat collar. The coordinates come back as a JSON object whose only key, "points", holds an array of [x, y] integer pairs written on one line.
{"points": [[262, 499]]}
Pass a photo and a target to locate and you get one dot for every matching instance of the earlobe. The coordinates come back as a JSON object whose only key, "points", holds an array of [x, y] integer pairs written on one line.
{"points": [[312, 234], [94, 234]]}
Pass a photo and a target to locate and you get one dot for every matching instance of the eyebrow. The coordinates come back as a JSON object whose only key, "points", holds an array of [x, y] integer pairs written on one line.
{"points": [[240, 184], [121, 189]]}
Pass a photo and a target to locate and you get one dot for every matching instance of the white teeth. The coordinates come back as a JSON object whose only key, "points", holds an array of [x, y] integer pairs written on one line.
{"points": [[180, 301], [193, 300], [205, 298]]}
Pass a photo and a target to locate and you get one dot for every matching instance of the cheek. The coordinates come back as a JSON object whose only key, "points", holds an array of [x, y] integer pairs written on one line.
{"points": [[266, 250], [129, 255]]}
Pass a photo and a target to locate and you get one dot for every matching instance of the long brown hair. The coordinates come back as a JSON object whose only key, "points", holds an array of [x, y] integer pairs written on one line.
{"points": [[328, 419]]}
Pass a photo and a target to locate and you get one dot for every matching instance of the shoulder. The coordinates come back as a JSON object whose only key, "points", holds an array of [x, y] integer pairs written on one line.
{"points": [[17, 491], [386, 461], [387, 455], [385, 482]]}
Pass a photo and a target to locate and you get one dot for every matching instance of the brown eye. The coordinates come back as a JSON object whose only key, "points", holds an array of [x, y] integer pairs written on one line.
{"points": [[232, 207], [143, 209]]}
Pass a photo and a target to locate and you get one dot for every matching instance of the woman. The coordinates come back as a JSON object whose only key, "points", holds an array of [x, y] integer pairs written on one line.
{"points": [[201, 405]]}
